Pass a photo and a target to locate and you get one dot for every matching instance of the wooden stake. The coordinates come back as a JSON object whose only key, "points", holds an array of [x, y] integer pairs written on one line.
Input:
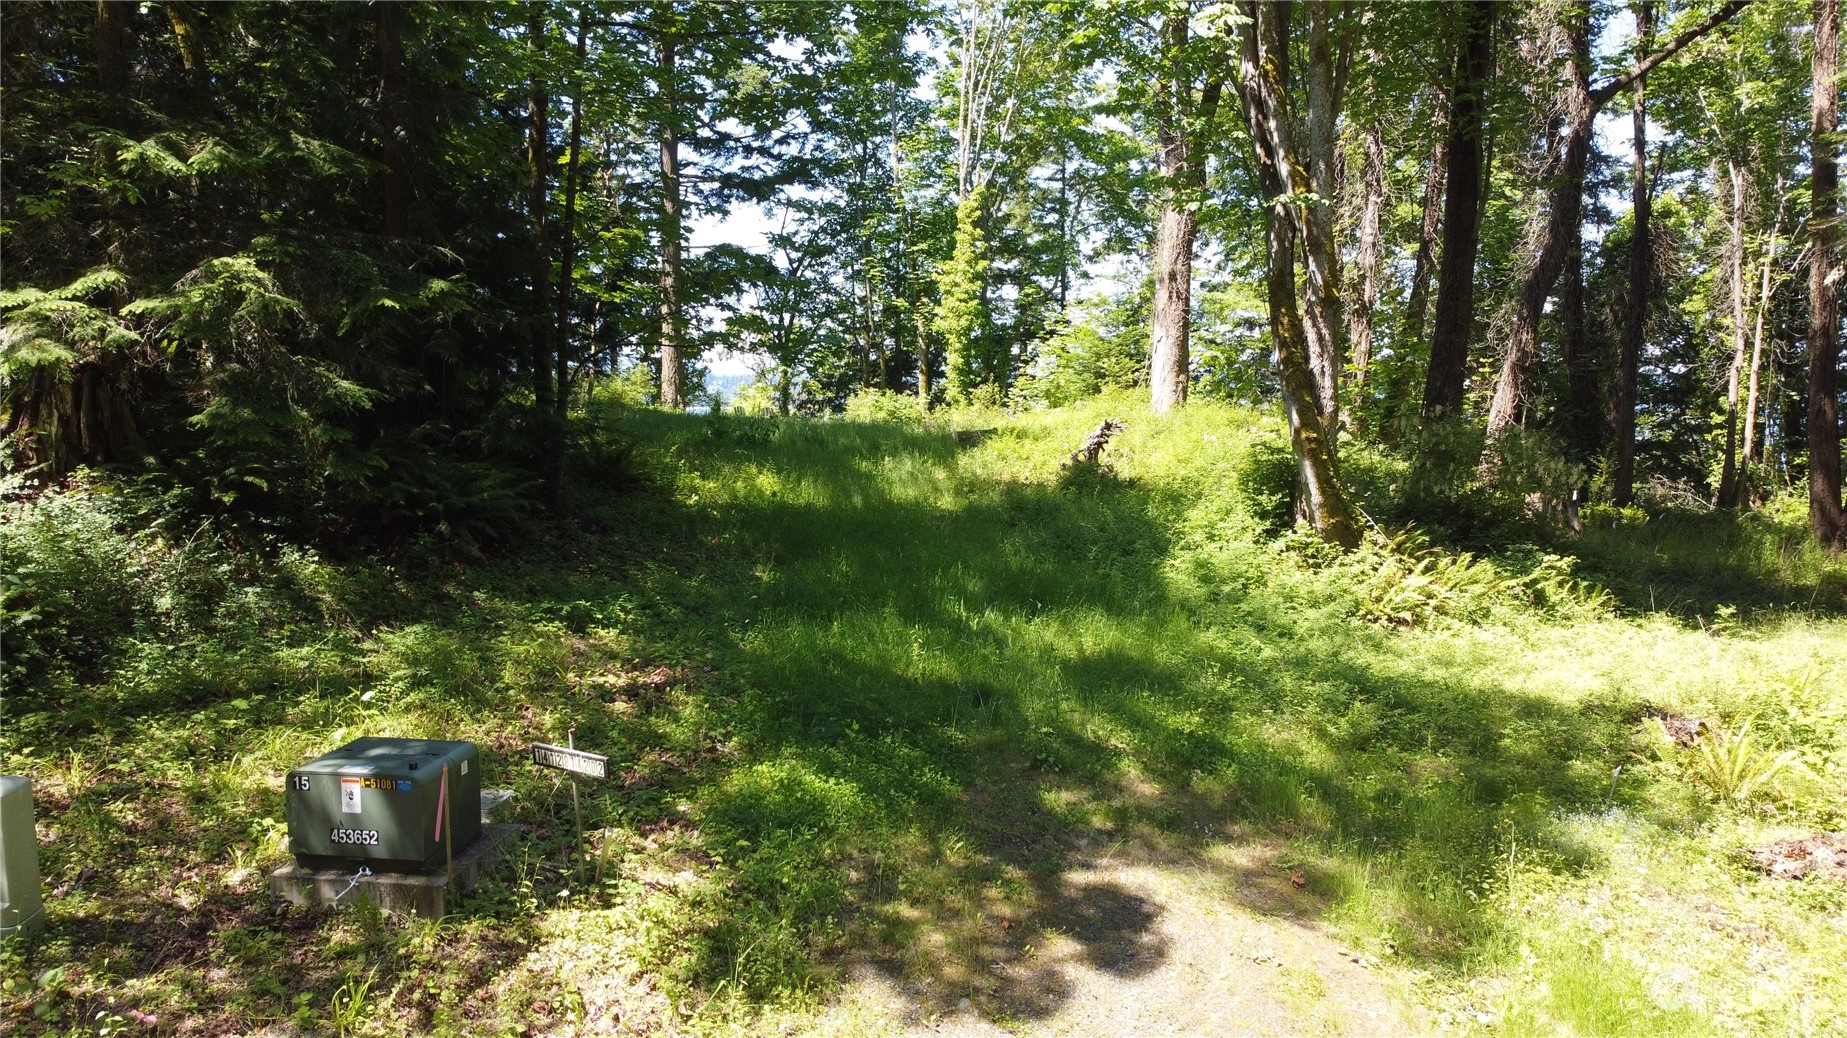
{"points": [[577, 808]]}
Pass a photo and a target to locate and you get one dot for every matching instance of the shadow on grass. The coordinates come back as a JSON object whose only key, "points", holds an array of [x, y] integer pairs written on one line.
{"points": [[948, 703], [911, 708], [1693, 566], [144, 914]]}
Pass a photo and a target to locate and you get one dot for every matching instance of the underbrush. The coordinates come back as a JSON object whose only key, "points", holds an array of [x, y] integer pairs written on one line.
{"points": [[869, 687], [1696, 563]]}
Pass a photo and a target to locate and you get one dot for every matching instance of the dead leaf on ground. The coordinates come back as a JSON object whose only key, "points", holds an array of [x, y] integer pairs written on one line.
{"points": [[1685, 731], [1823, 854]]}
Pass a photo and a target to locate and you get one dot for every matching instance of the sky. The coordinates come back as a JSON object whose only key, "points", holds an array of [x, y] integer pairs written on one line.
{"points": [[746, 226]]}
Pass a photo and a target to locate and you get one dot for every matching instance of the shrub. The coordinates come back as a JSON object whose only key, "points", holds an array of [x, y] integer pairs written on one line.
{"points": [[755, 399], [71, 584], [1612, 517], [1445, 484], [884, 406], [631, 388], [1106, 350], [1265, 484]]}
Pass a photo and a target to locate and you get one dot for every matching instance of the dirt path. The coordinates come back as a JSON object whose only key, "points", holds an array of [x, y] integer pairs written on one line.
{"points": [[1223, 945]]}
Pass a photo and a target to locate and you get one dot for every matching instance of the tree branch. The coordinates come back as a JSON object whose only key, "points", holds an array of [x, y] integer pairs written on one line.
{"points": [[1601, 96]]}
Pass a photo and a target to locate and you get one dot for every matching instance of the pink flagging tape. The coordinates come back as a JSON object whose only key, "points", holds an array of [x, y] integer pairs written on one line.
{"points": [[442, 801]]}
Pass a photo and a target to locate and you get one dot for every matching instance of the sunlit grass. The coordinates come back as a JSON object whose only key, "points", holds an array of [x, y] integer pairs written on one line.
{"points": [[870, 690]]}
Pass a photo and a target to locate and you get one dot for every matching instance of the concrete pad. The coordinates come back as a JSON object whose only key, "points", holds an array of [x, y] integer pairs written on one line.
{"points": [[424, 894]]}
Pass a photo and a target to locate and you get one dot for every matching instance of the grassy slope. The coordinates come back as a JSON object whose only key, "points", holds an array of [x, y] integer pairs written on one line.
{"points": [[871, 690]]}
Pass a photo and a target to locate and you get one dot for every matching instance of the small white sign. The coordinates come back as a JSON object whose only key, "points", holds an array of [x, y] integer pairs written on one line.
{"points": [[349, 796], [590, 765]]}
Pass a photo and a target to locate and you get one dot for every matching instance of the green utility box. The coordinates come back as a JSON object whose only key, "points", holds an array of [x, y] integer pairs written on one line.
{"points": [[381, 803], [21, 901]]}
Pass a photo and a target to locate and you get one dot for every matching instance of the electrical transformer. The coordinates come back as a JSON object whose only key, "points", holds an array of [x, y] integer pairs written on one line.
{"points": [[385, 804]]}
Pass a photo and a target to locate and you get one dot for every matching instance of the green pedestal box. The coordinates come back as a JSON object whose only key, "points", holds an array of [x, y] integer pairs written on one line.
{"points": [[382, 803], [21, 904]]}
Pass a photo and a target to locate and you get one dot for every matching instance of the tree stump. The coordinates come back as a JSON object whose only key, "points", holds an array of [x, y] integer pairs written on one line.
{"points": [[1092, 450]]}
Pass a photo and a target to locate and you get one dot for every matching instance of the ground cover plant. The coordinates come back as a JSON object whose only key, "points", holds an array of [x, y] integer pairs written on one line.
{"points": [[883, 701]]}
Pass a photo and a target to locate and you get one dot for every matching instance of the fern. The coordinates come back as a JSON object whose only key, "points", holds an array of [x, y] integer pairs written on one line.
{"points": [[1413, 583], [1735, 767]]}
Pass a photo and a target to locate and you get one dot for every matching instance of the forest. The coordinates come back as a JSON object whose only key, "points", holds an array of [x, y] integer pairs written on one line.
{"points": [[1066, 516]]}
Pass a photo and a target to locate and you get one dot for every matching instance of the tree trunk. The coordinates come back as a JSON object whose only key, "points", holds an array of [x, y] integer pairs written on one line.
{"points": [[1641, 262], [1730, 484], [1366, 260], [1824, 437], [1764, 292], [1068, 233], [671, 393], [867, 290], [1321, 302], [111, 51], [185, 25], [390, 34], [1408, 340], [86, 415], [1583, 411], [567, 258], [1447, 375], [1264, 56], [1176, 228], [909, 266], [1172, 310], [1417, 303], [1790, 362], [921, 323], [538, 133], [1565, 203]]}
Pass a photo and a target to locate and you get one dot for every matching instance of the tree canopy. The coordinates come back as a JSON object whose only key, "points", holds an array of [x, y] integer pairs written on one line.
{"points": [[336, 267]]}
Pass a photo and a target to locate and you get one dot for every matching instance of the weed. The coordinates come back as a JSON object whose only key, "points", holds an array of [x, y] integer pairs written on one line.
{"points": [[349, 1009]]}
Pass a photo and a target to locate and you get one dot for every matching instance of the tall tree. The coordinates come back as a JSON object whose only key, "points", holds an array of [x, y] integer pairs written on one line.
{"points": [[1580, 103], [1736, 110], [1430, 223], [538, 166], [1012, 72], [717, 90], [1731, 482], [392, 147], [1582, 414], [1825, 512], [1263, 84], [1368, 248], [1765, 290], [567, 231], [1641, 263], [232, 276], [1187, 87], [1447, 375], [672, 233], [1330, 51]]}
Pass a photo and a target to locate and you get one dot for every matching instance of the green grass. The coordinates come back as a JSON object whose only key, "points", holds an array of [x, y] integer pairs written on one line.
{"points": [[868, 690]]}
